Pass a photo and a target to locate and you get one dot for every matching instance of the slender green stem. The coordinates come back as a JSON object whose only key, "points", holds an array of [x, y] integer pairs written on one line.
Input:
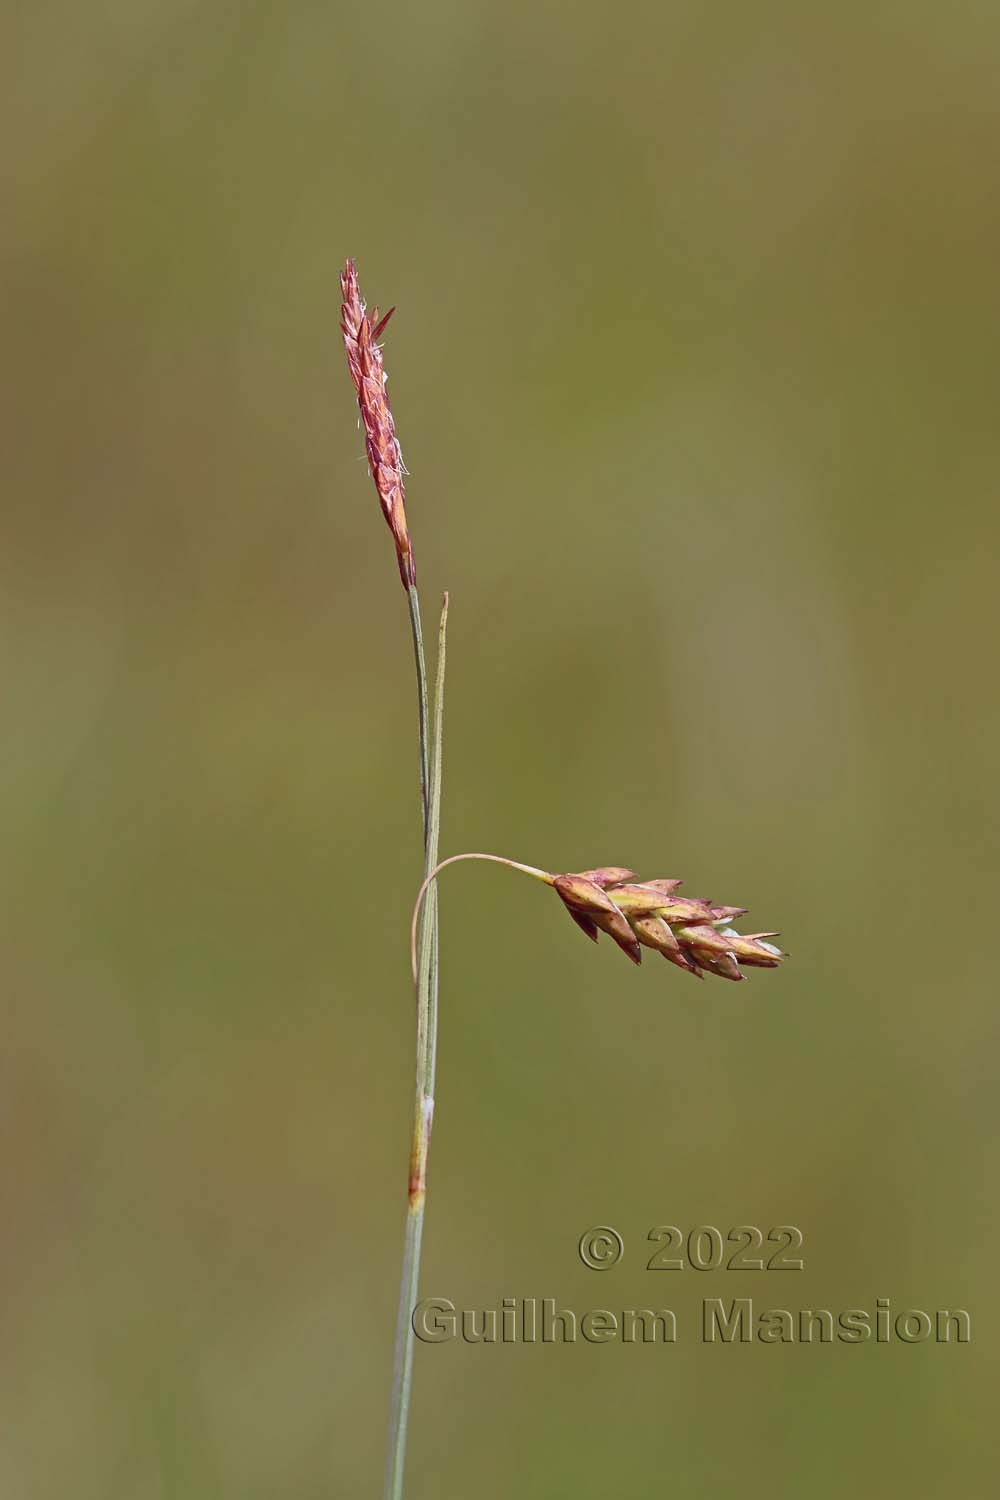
{"points": [[430, 853], [413, 599], [423, 1109]]}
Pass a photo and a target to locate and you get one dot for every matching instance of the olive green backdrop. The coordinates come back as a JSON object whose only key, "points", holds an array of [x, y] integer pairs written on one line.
{"points": [[695, 371]]}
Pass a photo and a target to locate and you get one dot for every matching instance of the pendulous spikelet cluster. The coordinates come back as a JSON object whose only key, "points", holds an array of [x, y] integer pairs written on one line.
{"points": [[693, 934], [364, 358]]}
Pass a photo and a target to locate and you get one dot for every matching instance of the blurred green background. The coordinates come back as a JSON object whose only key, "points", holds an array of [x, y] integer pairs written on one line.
{"points": [[695, 370]]}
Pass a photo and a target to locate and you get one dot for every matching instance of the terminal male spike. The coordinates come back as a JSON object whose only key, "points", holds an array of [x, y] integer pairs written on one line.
{"points": [[361, 332]]}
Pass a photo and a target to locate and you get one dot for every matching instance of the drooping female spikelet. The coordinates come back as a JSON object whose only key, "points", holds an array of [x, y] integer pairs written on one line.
{"points": [[364, 358], [695, 935]]}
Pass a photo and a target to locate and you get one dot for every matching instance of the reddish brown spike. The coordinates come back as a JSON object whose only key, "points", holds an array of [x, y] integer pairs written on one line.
{"points": [[364, 360], [691, 933]]}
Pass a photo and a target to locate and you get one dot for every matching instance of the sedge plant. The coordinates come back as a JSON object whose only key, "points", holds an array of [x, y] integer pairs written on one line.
{"points": [[695, 935]]}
